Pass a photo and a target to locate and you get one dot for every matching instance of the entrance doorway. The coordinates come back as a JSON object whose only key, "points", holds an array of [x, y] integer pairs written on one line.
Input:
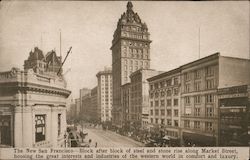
{"points": [[5, 130]]}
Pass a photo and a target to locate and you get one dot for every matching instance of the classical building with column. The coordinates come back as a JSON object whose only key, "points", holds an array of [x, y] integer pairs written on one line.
{"points": [[33, 103], [130, 52]]}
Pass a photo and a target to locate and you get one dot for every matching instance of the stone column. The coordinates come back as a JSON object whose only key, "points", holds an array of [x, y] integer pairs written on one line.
{"points": [[18, 125], [54, 126], [27, 127]]}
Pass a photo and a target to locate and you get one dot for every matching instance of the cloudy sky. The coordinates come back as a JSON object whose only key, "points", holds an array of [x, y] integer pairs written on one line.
{"points": [[88, 27]]}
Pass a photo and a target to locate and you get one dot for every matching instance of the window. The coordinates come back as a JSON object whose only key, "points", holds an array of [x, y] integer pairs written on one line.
{"points": [[186, 76], [187, 87], [169, 82], [157, 112], [151, 87], [187, 123], [169, 102], [162, 94], [197, 86], [156, 94], [176, 123], [197, 124], [40, 127], [187, 100], [209, 112], [169, 93], [209, 98], [176, 113], [209, 84], [169, 122], [156, 103], [151, 95], [162, 84], [156, 85], [210, 71], [59, 124], [151, 120], [162, 112], [162, 103], [169, 112], [176, 81], [151, 103], [175, 102], [187, 111], [197, 99], [197, 111], [156, 120], [176, 91], [151, 112], [197, 74], [208, 126], [162, 121]]}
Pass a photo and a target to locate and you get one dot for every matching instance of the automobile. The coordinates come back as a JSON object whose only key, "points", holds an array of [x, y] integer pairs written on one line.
{"points": [[151, 144]]}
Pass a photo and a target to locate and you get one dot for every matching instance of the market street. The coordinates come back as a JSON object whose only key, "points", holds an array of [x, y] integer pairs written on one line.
{"points": [[109, 139]]}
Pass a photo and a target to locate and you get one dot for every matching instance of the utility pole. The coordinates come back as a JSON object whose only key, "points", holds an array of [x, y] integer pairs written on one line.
{"points": [[199, 35], [64, 60]]}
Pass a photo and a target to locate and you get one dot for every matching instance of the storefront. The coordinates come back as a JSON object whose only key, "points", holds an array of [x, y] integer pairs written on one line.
{"points": [[234, 116], [194, 139]]}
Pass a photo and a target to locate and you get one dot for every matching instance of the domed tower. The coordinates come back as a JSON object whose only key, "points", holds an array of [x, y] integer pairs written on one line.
{"points": [[130, 52]]}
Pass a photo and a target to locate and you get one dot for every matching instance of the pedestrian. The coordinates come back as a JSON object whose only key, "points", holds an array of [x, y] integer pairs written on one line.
{"points": [[82, 135], [90, 142]]}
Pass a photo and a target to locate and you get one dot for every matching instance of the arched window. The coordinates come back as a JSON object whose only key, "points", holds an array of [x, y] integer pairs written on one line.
{"points": [[40, 127]]}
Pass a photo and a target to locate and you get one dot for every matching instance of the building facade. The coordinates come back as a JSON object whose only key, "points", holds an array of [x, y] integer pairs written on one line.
{"points": [[234, 116], [200, 81], [126, 93], [130, 51], [105, 96], [95, 112], [86, 107], [165, 106], [192, 92], [139, 96], [33, 103]]}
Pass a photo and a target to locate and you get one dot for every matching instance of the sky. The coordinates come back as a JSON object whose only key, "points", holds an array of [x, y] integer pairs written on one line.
{"points": [[88, 27]]}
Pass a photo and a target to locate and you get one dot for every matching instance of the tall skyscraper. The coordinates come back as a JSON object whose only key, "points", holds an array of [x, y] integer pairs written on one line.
{"points": [[104, 87], [130, 52]]}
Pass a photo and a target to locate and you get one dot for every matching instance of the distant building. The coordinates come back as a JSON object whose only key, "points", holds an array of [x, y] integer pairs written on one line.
{"points": [[165, 106], [33, 103], [125, 110], [86, 107], [83, 93], [95, 112], [89, 109], [105, 96], [78, 108], [130, 52], [234, 115]]}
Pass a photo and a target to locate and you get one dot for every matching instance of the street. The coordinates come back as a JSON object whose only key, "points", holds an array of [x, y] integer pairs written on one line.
{"points": [[109, 139]]}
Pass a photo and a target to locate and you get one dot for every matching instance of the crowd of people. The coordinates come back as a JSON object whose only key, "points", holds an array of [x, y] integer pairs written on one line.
{"points": [[77, 138]]}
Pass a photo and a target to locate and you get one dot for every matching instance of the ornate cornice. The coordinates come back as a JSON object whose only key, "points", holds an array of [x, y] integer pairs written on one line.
{"points": [[27, 86]]}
